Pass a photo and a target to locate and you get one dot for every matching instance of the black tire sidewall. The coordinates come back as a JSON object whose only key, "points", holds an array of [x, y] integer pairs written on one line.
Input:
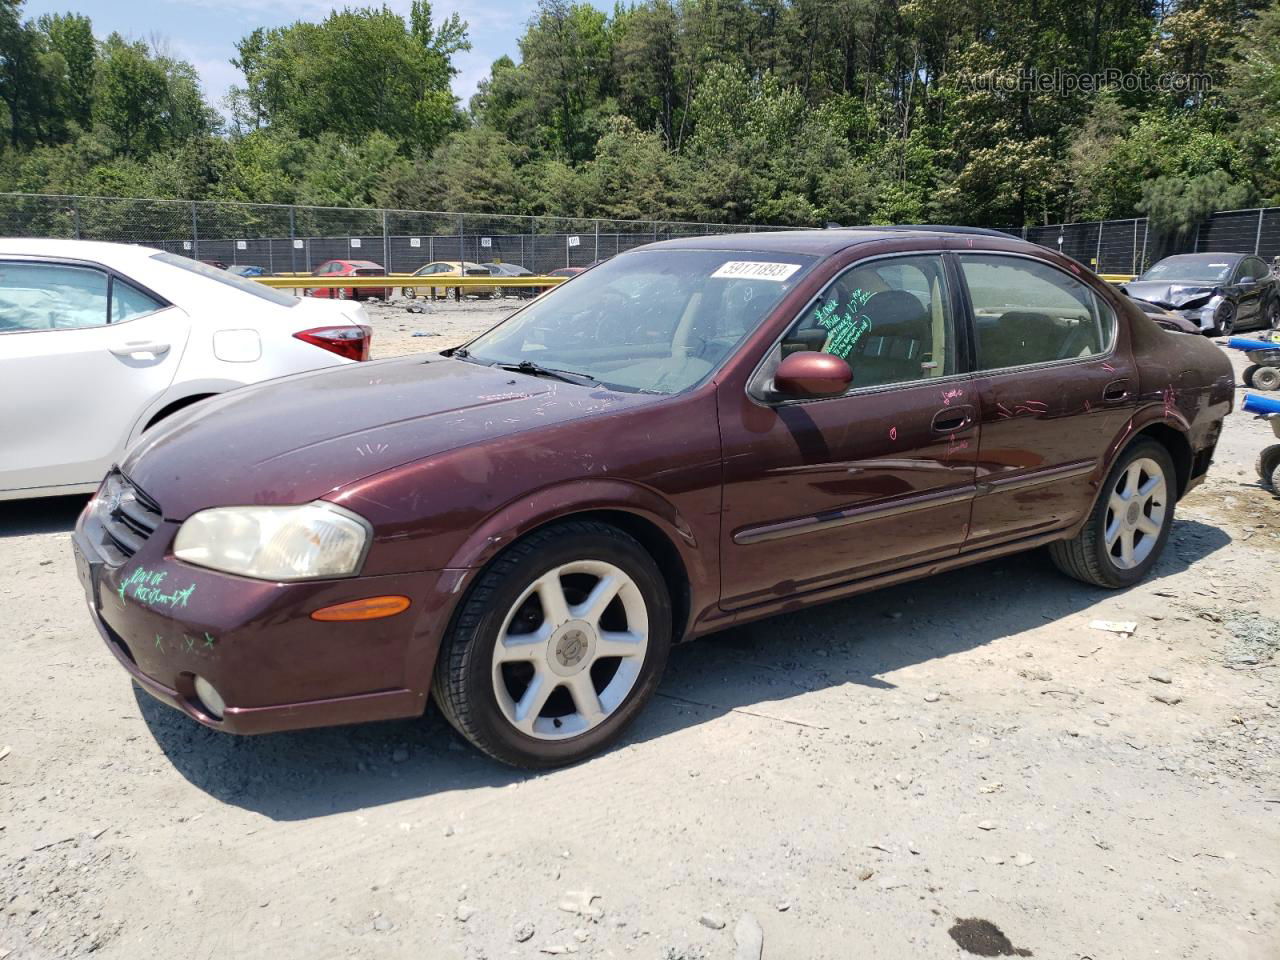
{"points": [[498, 737], [1149, 449]]}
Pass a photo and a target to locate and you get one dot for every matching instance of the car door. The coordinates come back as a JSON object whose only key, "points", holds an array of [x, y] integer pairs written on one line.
{"points": [[1246, 290], [1056, 383], [823, 491], [82, 351]]}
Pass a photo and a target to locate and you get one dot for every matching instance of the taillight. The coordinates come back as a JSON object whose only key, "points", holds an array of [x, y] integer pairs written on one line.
{"points": [[350, 342]]}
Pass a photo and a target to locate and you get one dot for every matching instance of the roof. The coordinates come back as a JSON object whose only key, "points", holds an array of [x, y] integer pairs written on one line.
{"points": [[1207, 256], [818, 242], [94, 250]]}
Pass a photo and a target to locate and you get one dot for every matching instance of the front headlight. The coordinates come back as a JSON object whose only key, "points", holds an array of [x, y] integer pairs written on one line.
{"points": [[275, 543]]}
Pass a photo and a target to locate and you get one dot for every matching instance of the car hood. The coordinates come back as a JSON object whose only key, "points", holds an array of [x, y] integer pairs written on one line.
{"points": [[1176, 295], [298, 438]]}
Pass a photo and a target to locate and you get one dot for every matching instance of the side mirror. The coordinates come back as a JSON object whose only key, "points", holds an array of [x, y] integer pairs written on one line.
{"points": [[1248, 280], [810, 374]]}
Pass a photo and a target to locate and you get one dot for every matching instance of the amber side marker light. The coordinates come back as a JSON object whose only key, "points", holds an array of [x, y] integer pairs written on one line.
{"points": [[370, 608]]}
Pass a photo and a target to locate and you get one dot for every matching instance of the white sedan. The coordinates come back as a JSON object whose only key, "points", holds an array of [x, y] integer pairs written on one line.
{"points": [[99, 341]]}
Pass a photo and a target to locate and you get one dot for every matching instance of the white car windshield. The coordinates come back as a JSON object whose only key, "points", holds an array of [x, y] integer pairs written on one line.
{"points": [[657, 321]]}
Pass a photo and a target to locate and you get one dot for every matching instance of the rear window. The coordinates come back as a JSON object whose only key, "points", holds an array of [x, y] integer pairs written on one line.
{"points": [[251, 287], [370, 272]]}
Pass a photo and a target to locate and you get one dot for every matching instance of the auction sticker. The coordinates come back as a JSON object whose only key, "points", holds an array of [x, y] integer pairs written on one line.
{"points": [[755, 270]]}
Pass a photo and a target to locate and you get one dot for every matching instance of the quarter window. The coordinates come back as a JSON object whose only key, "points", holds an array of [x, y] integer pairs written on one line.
{"points": [[128, 302], [1026, 312], [890, 319], [51, 296]]}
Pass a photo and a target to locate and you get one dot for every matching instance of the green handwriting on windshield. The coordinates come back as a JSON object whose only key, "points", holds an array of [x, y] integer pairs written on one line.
{"points": [[845, 328], [147, 586]]}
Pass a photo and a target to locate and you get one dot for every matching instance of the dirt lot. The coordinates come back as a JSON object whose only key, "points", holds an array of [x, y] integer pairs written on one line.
{"points": [[846, 782]]}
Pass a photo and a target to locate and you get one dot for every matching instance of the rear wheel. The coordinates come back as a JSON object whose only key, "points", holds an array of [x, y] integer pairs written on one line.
{"points": [[557, 647], [1266, 378], [341, 293], [1249, 371], [1268, 466], [1129, 525]]}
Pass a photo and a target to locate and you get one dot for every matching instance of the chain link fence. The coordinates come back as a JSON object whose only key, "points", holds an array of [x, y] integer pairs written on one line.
{"points": [[297, 239]]}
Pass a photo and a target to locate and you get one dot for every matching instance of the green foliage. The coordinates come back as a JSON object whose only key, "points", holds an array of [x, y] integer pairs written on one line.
{"points": [[356, 73], [782, 111]]}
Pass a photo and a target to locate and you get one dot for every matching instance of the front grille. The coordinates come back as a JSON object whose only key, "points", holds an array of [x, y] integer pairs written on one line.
{"points": [[128, 516]]}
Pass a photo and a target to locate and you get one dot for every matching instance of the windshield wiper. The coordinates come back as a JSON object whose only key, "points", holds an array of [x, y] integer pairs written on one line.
{"points": [[537, 370]]}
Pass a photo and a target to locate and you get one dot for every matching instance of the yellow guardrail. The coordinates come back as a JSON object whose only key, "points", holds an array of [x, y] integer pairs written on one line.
{"points": [[1117, 277], [437, 281]]}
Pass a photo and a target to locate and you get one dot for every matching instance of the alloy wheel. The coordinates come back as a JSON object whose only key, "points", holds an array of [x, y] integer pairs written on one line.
{"points": [[1136, 513], [570, 650]]}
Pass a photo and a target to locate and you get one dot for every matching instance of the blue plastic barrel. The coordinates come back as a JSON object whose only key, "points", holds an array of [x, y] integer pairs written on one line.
{"points": [[1253, 403], [1248, 343]]}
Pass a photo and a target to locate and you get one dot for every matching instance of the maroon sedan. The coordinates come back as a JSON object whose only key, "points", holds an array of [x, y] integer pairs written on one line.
{"points": [[695, 434]]}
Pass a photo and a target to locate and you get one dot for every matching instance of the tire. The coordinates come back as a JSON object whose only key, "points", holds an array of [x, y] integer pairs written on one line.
{"points": [[1247, 377], [1268, 466], [1089, 557], [1271, 316], [1266, 378], [488, 677], [411, 293], [341, 293], [1225, 326]]}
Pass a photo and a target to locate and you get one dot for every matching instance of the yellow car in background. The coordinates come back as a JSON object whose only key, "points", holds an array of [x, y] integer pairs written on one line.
{"points": [[451, 268]]}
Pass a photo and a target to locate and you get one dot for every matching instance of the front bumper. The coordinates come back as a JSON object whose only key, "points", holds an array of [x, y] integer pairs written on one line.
{"points": [[274, 667]]}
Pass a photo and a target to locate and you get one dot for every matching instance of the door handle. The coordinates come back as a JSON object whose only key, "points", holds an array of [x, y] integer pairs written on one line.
{"points": [[952, 419], [1116, 390], [133, 349]]}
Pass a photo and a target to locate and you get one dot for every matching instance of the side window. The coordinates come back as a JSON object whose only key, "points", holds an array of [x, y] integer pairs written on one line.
{"points": [[51, 296], [1253, 267], [890, 319], [1029, 312], [128, 302]]}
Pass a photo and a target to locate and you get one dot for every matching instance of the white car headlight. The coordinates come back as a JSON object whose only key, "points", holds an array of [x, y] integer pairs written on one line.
{"points": [[314, 540]]}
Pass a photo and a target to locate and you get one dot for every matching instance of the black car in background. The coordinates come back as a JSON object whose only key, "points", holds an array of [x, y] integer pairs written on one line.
{"points": [[512, 270], [1218, 292]]}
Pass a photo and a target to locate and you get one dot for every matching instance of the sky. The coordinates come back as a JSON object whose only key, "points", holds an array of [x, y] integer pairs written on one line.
{"points": [[205, 32]]}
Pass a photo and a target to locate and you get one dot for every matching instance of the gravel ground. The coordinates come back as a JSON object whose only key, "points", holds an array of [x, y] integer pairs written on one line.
{"points": [[960, 761]]}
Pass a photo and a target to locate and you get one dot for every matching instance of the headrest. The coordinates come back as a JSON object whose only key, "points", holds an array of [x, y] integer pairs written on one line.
{"points": [[897, 313]]}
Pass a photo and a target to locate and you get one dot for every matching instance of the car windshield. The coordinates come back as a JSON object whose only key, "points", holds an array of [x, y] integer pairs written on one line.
{"points": [[242, 284], [1190, 270], [656, 321]]}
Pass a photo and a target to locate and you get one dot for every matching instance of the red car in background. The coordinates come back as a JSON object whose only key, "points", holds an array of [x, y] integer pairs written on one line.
{"points": [[350, 268]]}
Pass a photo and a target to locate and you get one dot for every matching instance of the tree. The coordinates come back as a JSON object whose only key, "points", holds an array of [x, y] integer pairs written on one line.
{"points": [[356, 73], [71, 37], [473, 170]]}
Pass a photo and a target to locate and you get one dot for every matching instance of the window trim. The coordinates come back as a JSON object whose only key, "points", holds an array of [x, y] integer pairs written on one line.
{"points": [[964, 353], [112, 274], [972, 319]]}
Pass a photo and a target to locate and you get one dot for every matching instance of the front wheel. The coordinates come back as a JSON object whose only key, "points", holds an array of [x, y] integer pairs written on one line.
{"points": [[1272, 315], [1129, 524], [1225, 322], [1266, 378], [559, 644]]}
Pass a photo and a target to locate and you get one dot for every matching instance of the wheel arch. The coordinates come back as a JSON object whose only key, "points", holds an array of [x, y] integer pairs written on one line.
{"points": [[1179, 447], [174, 406], [639, 512]]}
